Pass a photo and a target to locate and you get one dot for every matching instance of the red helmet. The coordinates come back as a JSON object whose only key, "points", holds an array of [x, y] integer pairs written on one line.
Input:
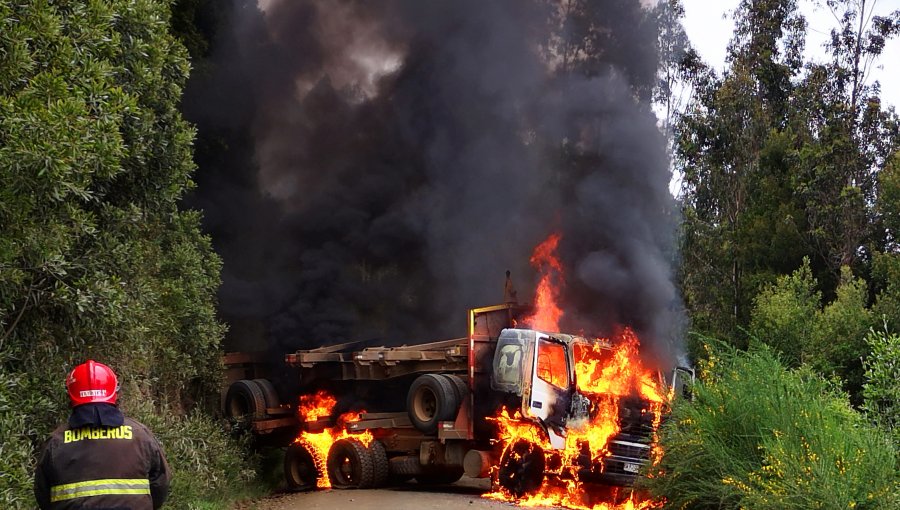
{"points": [[92, 382]]}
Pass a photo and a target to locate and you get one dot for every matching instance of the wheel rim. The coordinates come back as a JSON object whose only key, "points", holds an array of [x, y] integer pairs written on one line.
{"points": [[239, 406], [303, 474], [522, 468], [344, 472], [426, 404], [301, 470]]}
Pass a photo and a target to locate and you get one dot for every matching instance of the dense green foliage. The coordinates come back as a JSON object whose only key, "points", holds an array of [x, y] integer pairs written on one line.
{"points": [[96, 259], [782, 160], [791, 200], [882, 387], [760, 436], [791, 317]]}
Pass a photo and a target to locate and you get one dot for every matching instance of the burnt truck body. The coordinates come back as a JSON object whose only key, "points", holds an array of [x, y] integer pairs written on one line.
{"points": [[430, 407]]}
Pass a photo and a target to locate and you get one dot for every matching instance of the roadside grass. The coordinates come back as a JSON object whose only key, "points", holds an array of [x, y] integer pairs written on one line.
{"points": [[760, 436]]}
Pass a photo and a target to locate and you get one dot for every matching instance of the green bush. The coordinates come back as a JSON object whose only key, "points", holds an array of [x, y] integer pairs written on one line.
{"points": [[881, 390], [210, 468], [838, 342], [784, 314], [761, 436], [790, 317]]}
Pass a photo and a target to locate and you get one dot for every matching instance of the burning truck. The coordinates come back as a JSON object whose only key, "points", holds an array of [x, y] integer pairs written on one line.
{"points": [[552, 418]]}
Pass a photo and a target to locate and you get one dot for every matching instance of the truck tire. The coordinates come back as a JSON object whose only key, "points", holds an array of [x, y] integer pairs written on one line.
{"points": [[380, 465], [268, 390], [245, 401], [521, 470], [350, 465], [431, 399], [440, 475], [300, 471], [405, 467], [462, 389]]}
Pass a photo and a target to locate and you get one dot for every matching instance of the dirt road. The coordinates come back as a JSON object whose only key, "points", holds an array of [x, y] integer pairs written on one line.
{"points": [[465, 494]]}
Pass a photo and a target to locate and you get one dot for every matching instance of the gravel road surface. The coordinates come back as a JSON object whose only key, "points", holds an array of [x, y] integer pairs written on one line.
{"points": [[464, 494]]}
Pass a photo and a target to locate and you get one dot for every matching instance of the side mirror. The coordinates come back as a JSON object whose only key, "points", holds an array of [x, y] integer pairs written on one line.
{"points": [[683, 382]]}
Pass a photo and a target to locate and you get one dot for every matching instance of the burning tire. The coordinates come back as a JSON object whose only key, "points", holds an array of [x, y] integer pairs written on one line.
{"points": [[245, 401], [350, 465], [380, 465], [521, 470], [431, 399], [300, 471]]}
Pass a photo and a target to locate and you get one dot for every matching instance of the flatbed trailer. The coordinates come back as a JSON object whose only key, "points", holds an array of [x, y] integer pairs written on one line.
{"points": [[418, 430]]}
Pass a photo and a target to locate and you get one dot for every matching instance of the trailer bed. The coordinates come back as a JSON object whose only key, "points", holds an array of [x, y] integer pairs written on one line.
{"points": [[377, 363]]}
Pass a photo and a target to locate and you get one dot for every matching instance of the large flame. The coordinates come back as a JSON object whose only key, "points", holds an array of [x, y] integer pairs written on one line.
{"points": [[316, 407], [606, 371], [546, 312]]}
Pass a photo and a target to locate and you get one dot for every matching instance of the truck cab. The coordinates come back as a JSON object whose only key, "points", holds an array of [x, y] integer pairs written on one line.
{"points": [[538, 369]]}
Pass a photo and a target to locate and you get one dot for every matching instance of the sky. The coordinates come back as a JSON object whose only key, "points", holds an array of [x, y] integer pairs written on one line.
{"points": [[709, 26]]}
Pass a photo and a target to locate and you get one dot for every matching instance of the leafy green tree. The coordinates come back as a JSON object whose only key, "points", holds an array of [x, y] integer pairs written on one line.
{"points": [[781, 160], [675, 53], [851, 137], [734, 148], [96, 259], [888, 201]]}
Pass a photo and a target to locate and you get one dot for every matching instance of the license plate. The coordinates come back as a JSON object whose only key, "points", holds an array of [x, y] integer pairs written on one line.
{"points": [[631, 467]]}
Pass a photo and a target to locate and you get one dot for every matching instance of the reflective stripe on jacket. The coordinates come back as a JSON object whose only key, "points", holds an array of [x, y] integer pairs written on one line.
{"points": [[87, 488], [97, 467]]}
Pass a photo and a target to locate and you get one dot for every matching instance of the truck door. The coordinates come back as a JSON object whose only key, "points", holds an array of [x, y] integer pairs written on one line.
{"points": [[547, 396]]}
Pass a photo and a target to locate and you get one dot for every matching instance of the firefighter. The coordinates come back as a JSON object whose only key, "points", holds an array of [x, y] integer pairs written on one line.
{"points": [[100, 459]]}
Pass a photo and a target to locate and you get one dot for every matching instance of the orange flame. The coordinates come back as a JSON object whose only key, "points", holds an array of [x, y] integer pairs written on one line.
{"points": [[547, 313], [316, 407], [619, 372]]}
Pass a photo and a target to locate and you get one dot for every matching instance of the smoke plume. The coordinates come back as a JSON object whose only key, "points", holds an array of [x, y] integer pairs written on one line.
{"points": [[371, 169]]}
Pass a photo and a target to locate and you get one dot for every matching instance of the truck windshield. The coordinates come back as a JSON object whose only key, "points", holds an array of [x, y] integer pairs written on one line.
{"points": [[551, 365]]}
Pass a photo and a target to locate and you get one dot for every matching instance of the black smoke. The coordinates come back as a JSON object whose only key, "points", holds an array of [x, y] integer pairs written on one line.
{"points": [[371, 169]]}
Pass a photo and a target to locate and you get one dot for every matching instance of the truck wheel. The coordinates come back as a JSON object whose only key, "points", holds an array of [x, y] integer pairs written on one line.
{"points": [[431, 399], [268, 390], [405, 468], [380, 465], [521, 470], [245, 401], [444, 475], [350, 465], [300, 471], [462, 389]]}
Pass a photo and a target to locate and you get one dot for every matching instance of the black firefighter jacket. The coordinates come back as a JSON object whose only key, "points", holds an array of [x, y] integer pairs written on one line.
{"points": [[98, 467]]}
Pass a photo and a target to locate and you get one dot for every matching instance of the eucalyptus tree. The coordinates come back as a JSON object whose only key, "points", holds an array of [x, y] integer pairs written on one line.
{"points": [[742, 225]]}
